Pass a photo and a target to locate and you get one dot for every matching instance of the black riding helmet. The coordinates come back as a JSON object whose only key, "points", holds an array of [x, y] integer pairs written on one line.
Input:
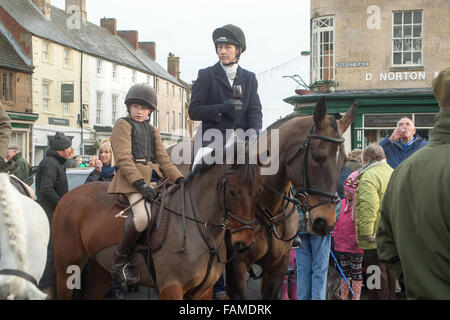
{"points": [[142, 94], [230, 34]]}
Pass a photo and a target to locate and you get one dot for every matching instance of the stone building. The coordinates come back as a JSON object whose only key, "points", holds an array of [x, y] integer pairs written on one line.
{"points": [[380, 54]]}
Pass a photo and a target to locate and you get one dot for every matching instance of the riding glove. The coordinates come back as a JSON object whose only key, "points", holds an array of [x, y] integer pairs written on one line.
{"points": [[180, 180], [228, 107], [147, 192]]}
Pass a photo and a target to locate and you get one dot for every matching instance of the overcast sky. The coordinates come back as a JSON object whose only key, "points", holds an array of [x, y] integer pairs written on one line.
{"points": [[276, 32]]}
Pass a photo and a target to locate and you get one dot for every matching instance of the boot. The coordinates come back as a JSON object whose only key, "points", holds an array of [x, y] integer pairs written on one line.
{"points": [[123, 269], [284, 290], [356, 287], [344, 289]]}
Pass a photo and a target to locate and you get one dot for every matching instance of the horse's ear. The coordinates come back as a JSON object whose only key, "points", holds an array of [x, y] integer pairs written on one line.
{"points": [[348, 118], [320, 112]]}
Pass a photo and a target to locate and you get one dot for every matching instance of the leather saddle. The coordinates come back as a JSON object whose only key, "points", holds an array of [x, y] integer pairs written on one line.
{"points": [[159, 221]]}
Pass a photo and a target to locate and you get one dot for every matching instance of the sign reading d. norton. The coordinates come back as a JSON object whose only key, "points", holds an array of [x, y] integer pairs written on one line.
{"points": [[400, 76], [66, 92]]}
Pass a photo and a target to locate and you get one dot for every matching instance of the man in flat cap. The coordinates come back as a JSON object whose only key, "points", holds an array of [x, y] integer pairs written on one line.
{"points": [[413, 235], [5, 136], [51, 186], [22, 170]]}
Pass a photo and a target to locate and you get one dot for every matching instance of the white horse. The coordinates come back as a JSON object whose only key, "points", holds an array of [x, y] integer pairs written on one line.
{"points": [[24, 236]]}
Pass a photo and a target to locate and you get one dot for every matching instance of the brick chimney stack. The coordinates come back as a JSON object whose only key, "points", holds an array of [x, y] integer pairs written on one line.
{"points": [[44, 6], [109, 24], [81, 4], [131, 36], [150, 47], [173, 65]]}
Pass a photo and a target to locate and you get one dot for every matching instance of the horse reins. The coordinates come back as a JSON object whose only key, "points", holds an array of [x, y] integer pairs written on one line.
{"points": [[300, 197]]}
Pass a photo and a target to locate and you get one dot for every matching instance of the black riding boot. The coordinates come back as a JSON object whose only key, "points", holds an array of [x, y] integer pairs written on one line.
{"points": [[123, 269]]}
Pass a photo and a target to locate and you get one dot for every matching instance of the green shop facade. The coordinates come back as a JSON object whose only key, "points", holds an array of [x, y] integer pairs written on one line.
{"points": [[378, 111]]}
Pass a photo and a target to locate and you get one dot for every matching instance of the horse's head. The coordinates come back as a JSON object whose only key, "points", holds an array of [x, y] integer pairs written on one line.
{"points": [[314, 164], [242, 185]]}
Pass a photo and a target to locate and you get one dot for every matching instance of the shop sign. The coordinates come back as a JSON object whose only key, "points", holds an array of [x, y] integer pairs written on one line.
{"points": [[399, 76], [351, 64]]}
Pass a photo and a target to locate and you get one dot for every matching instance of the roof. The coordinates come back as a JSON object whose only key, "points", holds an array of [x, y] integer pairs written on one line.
{"points": [[11, 55], [89, 38]]}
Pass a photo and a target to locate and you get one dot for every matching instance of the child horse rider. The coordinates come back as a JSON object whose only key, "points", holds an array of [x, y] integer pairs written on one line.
{"points": [[138, 150]]}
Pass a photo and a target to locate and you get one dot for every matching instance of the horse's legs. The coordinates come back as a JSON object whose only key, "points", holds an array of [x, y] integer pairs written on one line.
{"points": [[236, 280], [171, 292], [273, 278], [64, 285], [98, 282]]}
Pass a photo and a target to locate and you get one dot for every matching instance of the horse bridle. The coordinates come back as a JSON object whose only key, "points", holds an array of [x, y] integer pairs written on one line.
{"points": [[303, 194], [247, 224]]}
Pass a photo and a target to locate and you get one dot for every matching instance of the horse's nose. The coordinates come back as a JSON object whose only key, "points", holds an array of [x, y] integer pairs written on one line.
{"points": [[240, 246], [320, 227]]}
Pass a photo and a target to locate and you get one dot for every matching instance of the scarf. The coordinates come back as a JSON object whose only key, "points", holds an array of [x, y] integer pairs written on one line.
{"points": [[108, 171], [231, 72]]}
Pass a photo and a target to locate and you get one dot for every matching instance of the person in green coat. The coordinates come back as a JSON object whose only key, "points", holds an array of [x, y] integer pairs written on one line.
{"points": [[22, 170], [413, 237], [373, 181]]}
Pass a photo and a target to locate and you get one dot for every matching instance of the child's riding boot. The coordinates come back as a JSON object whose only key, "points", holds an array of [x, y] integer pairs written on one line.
{"points": [[123, 269]]}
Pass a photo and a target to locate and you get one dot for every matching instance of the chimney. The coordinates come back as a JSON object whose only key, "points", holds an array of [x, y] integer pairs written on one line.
{"points": [[131, 36], [44, 6], [173, 65], [109, 24], [81, 7], [150, 47]]}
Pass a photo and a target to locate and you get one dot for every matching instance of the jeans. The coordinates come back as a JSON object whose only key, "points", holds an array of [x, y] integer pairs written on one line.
{"points": [[219, 287], [312, 266]]}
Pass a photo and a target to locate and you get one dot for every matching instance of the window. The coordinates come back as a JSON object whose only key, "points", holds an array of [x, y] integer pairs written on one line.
{"points": [[67, 57], [115, 74], [65, 108], [7, 86], [115, 102], [46, 51], [157, 85], [99, 67], [167, 88], [151, 80], [46, 96], [134, 76], [407, 38], [167, 121], [173, 120], [155, 118], [322, 67], [173, 90], [98, 114]]}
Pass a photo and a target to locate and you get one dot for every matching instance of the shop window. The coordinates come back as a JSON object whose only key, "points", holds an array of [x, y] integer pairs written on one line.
{"points": [[322, 49], [407, 38]]}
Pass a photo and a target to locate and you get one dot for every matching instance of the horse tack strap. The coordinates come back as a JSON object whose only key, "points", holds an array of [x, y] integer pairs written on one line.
{"points": [[19, 273]]}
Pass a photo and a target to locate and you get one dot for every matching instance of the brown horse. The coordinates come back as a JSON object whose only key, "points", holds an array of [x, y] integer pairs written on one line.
{"points": [[192, 258], [311, 158]]}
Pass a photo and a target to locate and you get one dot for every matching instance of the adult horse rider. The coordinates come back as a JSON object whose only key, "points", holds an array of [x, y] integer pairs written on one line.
{"points": [[138, 150], [5, 136], [212, 100]]}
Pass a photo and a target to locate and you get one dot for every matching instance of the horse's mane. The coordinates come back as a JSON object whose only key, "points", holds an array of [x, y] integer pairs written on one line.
{"points": [[279, 122], [247, 172], [15, 223]]}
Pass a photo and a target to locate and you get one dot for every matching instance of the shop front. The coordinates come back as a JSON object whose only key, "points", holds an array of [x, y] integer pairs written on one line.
{"points": [[378, 111]]}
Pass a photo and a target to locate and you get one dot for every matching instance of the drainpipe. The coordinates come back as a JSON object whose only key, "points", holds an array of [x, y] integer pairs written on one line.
{"points": [[81, 105]]}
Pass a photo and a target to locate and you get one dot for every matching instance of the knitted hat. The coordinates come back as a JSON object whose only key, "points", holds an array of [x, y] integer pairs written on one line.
{"points": [[441, 88], [61, 142], [14, 147], [351, 183]]}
